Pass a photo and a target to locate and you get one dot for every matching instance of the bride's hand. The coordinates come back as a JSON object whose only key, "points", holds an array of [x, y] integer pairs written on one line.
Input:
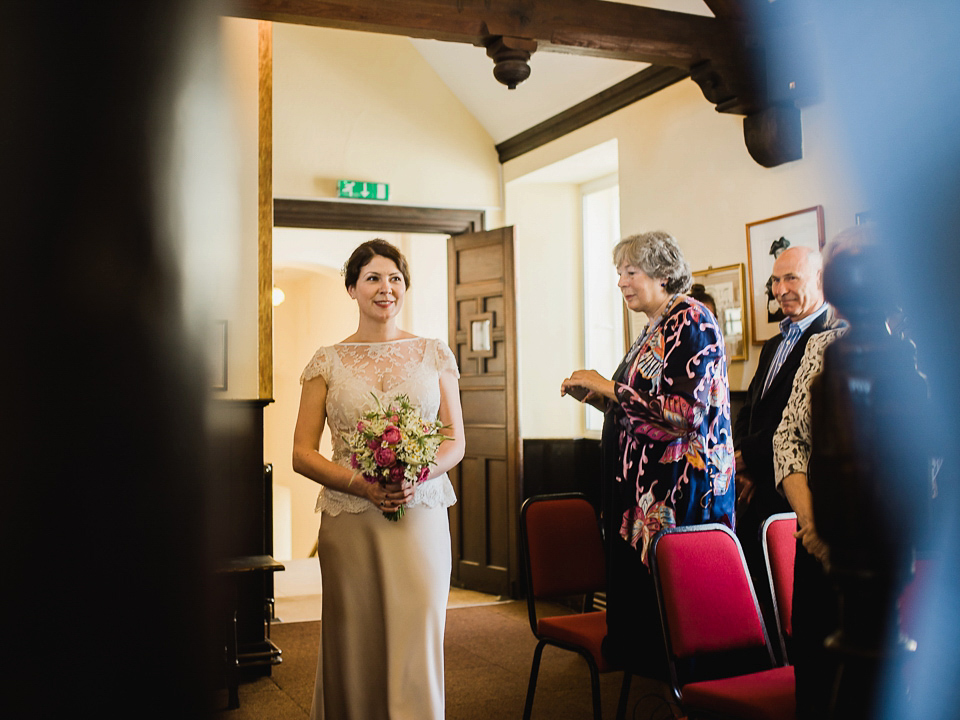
{"points": [[397, 494]]}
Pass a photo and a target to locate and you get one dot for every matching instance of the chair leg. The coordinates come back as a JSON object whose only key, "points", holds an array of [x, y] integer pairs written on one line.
{"points": [[595, 689], [233, 667], [624, 695], [532, 686]]}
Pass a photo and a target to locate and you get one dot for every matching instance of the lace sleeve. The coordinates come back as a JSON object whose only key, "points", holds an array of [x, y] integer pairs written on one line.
{"points": [[319, 365], [445, 359]]}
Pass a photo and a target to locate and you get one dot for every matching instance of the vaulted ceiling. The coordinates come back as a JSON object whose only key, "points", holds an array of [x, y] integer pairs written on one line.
{"points": [[729, 55]]}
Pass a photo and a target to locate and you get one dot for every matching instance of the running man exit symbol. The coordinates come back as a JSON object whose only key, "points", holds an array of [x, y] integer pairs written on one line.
{"points": [[356, 189]]}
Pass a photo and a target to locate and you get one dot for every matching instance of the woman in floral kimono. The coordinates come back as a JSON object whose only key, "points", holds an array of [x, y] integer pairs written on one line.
{"points": [[667, 443]]}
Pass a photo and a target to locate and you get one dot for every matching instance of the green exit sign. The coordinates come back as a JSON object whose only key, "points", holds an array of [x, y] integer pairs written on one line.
{"points": [[363, 190]]}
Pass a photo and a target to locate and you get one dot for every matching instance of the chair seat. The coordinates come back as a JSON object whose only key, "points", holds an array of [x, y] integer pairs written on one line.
{"points": [[586, 630], [765, 695]]}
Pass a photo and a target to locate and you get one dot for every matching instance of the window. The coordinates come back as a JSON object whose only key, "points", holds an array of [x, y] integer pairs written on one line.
{"points": [[602, 302]]}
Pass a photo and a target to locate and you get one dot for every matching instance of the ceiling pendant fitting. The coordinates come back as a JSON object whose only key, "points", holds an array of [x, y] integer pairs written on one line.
{"points": [[510, 56]]}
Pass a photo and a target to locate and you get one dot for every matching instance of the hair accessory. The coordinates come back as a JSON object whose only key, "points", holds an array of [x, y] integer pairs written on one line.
{"points": [[343, 270]]}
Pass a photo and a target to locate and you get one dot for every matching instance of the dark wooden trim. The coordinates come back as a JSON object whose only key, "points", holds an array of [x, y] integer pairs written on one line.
{"points": [[734, 9], [374, 217], [634, 88]]}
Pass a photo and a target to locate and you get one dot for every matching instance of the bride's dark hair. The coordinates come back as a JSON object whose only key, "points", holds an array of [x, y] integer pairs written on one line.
{"points": [[366, 252]]}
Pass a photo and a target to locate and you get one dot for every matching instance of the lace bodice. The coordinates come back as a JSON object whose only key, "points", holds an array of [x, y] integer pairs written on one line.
{"points": [[352, 372]]}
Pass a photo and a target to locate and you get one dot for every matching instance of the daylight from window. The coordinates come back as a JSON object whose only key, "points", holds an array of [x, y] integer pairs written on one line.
{"points": [[602, 302]]}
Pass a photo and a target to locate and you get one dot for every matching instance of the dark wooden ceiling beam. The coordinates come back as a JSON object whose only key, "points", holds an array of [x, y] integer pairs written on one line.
{"points": [[634, 88], [583, 27], [734, 9], [721, 54]]}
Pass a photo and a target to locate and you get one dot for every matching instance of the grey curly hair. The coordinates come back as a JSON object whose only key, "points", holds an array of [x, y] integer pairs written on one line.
{"points": [[659, 256]]}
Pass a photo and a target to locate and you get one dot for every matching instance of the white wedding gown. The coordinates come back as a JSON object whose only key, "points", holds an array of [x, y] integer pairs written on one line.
{"points": [[385, 584]]}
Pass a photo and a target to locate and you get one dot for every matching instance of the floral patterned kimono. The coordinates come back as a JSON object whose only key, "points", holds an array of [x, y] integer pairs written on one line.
{"points": [[668, 460]]}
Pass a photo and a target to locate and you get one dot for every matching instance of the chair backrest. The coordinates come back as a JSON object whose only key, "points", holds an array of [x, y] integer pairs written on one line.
{"points": [[780, 552], [707, 601], [562, 546]]}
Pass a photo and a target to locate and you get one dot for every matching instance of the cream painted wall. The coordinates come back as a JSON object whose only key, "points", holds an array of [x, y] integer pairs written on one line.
{"points": [[362, 106], [684, 168], [550, 304], [236, 299]]}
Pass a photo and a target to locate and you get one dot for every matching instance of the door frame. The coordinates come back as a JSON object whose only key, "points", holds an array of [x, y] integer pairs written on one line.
{"points": [[375, 217], [360, 215]]}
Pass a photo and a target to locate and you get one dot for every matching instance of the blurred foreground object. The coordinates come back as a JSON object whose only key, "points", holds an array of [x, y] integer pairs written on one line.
{"points": [[869, 475]]}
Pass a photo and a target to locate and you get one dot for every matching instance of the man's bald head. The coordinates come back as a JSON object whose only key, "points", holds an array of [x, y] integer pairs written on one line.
{"points": [[798, 282]]}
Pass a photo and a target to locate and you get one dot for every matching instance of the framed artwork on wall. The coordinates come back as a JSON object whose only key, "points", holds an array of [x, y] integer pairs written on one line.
{"points": [[725, 285], [766, 239]]}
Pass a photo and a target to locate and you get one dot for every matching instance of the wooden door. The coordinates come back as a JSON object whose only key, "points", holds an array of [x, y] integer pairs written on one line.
{"points": [[482, 314]]}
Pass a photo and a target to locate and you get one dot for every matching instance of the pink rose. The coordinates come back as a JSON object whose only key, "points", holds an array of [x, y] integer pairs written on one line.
{"points": [[360, 426], [394, 418], [373, 443], [391, 435], [396, 473], [423, 474], [384, 456], [354, 463]]}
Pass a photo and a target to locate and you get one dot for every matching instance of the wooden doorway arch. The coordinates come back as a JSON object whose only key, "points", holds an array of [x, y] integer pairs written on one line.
{"points": [[483, 522]]}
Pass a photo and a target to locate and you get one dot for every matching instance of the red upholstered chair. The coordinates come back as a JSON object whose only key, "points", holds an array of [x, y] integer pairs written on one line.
{"points": [[563, 557], [780, 552], [713, 628]]}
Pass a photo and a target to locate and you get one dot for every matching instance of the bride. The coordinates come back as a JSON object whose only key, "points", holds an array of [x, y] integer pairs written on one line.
{"points": [[385, 584]]}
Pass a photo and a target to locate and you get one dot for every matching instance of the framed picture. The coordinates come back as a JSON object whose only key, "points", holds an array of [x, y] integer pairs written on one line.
{"points": [[766, 239], [725, 285], [218, 356]]}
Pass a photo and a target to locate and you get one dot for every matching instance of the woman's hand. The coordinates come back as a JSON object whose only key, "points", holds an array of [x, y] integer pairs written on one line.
{"points": [[392, 495], [589, 386]]}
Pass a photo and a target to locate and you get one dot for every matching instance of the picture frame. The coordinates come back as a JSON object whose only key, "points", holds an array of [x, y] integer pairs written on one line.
{"points": [[765, 240], [726, 286], [218, 356], [480, 344]]}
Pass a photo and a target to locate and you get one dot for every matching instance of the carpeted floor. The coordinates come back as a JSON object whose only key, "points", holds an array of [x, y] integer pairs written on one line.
{"points": [[488, 650]]}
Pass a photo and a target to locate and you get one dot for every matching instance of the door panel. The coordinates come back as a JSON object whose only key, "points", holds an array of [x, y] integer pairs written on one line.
{"points": [[484, 520], [485, 408]]}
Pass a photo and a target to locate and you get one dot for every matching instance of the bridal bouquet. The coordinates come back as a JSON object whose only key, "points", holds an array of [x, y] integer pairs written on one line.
{"points": [[395, 444]]}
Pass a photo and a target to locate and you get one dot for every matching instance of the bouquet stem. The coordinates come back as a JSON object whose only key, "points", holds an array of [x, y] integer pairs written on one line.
{"points": [[394, 515]]}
